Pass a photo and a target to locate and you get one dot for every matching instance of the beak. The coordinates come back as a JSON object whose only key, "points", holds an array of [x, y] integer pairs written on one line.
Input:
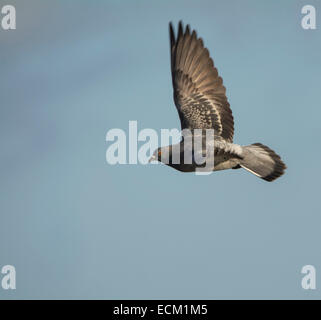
{"points": [[152, 158]]}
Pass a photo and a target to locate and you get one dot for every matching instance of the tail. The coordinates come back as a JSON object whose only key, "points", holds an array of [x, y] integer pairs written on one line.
{"points": [[262, 161]]}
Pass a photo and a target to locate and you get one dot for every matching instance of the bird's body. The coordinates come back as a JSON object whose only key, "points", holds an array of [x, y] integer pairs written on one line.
{"points": [[224, 155], [202, 106]]}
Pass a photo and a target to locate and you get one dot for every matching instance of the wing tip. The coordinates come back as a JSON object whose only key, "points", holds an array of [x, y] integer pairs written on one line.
{"points": [[171, 34], [180, 29], [181, 32]]}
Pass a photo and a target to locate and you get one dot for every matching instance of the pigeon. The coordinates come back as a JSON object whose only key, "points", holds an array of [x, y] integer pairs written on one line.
{"points": [[202, 106]]}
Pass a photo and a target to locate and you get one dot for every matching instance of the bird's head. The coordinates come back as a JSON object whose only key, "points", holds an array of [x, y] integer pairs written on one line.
{"points": [[156, 156], [161, 154]]}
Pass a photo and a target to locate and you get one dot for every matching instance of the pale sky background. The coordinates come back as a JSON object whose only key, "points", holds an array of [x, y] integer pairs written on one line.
{"points": [[76, 227]]}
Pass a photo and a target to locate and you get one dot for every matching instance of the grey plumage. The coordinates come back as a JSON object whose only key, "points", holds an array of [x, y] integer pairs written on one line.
{"points": [[201, 103]]}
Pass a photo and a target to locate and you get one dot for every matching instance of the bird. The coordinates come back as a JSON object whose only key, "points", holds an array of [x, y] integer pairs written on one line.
{"points": [[202, 105]]}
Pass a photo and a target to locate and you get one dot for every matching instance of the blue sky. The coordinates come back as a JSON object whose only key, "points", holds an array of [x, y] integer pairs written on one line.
{"points": [[77, 227]]}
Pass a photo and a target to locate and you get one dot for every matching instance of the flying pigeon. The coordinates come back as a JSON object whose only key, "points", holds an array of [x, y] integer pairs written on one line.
{"points": [[201, 103]]}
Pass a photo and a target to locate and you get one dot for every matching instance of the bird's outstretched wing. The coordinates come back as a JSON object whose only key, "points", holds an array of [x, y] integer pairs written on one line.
{"points": [[199, 93]]}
